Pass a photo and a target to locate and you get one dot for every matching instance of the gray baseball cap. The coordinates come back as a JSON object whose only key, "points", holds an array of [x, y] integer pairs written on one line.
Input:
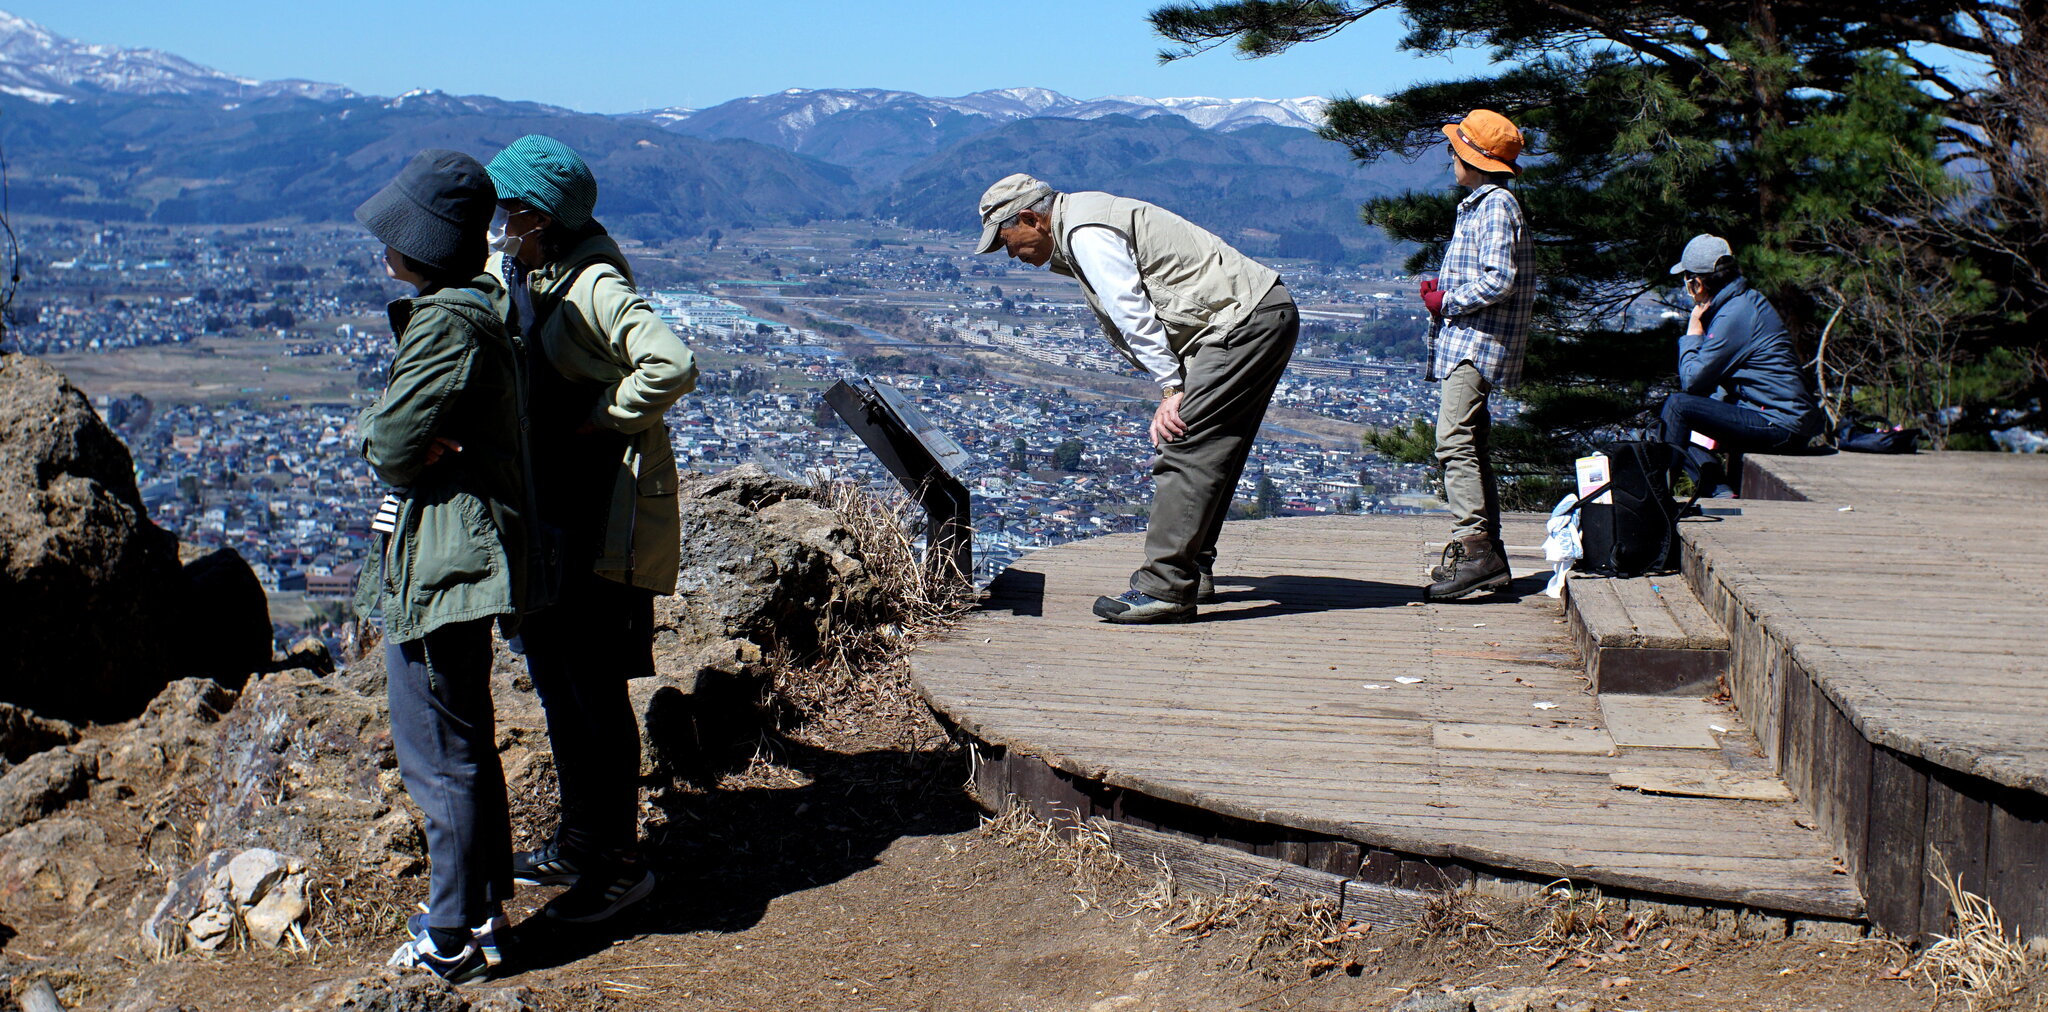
{"points": [[1701, 254], [1010, 194]]}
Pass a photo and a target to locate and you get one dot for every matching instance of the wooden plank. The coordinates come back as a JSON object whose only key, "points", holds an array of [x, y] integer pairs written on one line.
{"points": [[1219, 870], [1850, 770], [1384, 906], [1338, 857], [2016, 861], [1895, 842], [1957, 834], [1522, 738], [1661, 722], [1733, 786]]}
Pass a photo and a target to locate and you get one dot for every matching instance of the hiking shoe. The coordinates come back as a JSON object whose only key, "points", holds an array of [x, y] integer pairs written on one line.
{"points": [[1470, 565], [486, 937], [1133, 607], [460, 968], [601, 892], [1205, 588], [550, 864], [1444, 570]]}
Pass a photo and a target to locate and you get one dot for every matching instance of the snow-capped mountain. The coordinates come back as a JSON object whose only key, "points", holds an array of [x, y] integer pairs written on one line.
{"points": [[787, 117], [1209, 113], [880, 131], [42, 66]]}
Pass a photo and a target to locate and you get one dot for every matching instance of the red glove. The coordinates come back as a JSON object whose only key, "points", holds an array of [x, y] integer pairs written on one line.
{"points": [[1433, 297]]}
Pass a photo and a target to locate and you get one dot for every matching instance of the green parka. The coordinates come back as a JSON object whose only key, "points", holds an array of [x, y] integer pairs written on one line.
{"points": [[595, 328], [455, 555]]}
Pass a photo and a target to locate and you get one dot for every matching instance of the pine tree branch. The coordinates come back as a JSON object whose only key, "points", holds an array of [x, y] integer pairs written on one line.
{"points": [[1632, 40], [1911, 28]]}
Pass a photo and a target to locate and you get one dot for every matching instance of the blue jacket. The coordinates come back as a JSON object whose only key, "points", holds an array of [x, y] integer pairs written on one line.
{"points": [[1747, 357]]}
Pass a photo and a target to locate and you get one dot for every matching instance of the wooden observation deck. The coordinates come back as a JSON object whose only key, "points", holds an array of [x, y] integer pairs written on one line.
{"points": [[1884, 661]]}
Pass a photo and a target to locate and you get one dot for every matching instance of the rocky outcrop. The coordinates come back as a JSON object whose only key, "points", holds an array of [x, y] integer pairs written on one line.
{"points": [[766, 566], [301, 786], [84, 575], [172, 737], [225, 630], [301, 765]]}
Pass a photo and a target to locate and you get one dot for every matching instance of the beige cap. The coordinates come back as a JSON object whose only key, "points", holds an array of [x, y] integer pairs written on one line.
{"points": [[1011, 194]]}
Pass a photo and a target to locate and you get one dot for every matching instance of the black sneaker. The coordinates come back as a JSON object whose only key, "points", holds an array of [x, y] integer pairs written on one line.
{"points": [[601, 892], [1133, 607], [460, 968], [549, 865]]}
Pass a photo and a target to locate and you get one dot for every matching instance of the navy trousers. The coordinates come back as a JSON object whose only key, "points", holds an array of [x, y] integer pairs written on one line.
{"points": [[445, 731], [1735, 428]]}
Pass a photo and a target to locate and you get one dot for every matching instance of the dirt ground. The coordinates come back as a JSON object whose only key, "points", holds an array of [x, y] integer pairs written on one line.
{"points": [[850, 869]]}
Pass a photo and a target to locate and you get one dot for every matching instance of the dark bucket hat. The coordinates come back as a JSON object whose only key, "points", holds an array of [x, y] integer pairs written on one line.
{"points": [[437, 211]]}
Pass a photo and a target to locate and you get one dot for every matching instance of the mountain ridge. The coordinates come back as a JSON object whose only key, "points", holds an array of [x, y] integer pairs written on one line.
{"points": [[110, 134]]}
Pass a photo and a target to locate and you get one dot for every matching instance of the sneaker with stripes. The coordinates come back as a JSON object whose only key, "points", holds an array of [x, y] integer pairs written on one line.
{"points": [[486, 938], [602, 891], [548, 865], [471, 962]]}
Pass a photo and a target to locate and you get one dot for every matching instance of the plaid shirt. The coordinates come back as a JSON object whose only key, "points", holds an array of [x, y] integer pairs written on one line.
{"points": [[1489, 285]]}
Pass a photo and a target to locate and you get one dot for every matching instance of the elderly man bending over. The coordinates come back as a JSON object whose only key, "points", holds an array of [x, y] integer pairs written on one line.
{"points": [[1213, 327]]}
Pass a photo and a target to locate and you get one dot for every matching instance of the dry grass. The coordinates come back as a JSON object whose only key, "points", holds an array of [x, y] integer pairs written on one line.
{"points": [[1980, 962], [861, 676], [1080, 852], [1275, 933]]}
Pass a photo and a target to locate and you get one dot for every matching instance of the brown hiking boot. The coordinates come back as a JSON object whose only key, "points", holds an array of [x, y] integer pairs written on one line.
{"points": [[1444, 570], [1470, 565]]}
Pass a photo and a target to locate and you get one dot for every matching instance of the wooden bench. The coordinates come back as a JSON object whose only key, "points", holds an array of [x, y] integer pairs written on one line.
{"points": [[1648, 635]]}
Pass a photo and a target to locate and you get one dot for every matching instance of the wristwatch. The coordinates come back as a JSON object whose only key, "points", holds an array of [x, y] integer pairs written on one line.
{"points": [[1169, 391]]}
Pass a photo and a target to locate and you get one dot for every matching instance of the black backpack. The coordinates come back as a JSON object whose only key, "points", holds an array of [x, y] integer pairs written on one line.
{"points": [[1637, 533]]}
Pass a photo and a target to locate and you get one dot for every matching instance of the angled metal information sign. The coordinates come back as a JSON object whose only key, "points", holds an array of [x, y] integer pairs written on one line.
{"points": [[923, 458]]}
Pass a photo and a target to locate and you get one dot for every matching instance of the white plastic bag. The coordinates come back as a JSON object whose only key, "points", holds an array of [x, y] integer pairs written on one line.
{"points": [[1562, 545]]}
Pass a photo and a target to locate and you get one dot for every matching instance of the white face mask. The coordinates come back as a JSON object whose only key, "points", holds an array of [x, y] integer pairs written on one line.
{"points": [[499, 241]]}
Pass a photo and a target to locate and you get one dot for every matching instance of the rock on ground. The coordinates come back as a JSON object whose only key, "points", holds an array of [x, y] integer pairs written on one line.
{"points": [[258, 890], [55, 861], [765, 567], [406, 991], [1433, 1001], [43, 785], [84, 574]]}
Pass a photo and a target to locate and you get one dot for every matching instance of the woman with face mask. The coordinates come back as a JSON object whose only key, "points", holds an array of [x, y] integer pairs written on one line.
{"points": [[604, 370]]}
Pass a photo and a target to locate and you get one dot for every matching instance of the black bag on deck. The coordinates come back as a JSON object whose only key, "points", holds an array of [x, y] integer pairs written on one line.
{"points": [[1870, 435], [1636, 533]]}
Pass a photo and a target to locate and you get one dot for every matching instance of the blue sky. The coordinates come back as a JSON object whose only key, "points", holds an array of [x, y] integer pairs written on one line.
{"points": [[635, 54]]}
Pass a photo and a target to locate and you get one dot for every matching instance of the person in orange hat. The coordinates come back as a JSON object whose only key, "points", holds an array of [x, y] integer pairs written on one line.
{"points": [[1479, 304]]}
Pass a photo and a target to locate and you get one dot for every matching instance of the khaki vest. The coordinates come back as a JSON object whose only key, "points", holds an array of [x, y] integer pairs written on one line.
{"points": [[1201, 288]]}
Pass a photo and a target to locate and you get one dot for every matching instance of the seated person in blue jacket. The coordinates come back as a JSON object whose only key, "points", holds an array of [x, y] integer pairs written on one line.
{"points": [[1739, 379]]}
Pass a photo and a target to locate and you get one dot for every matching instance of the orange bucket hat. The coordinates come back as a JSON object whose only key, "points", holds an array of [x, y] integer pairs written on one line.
{"points": [[1487, 140]]}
